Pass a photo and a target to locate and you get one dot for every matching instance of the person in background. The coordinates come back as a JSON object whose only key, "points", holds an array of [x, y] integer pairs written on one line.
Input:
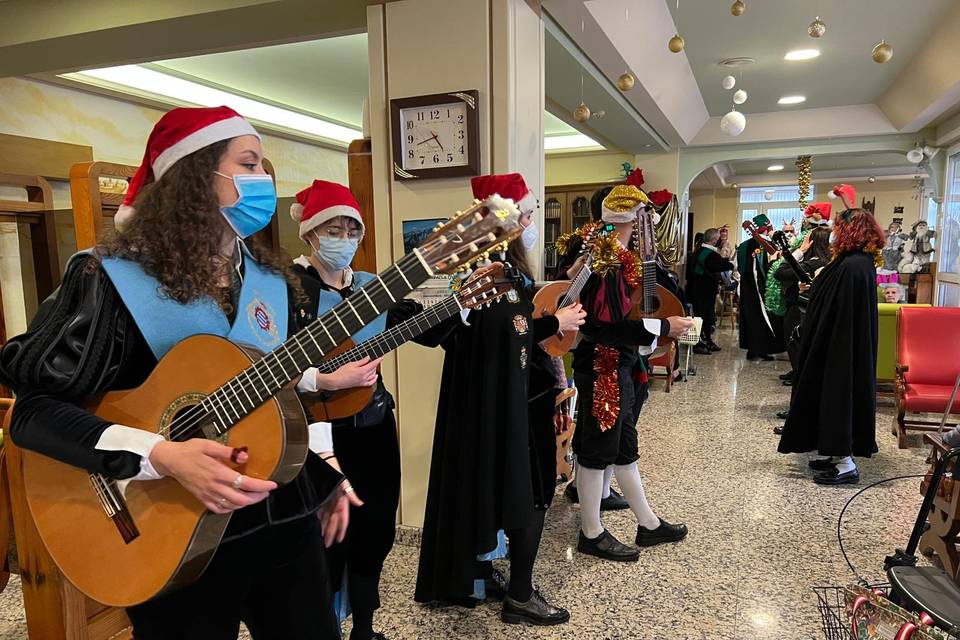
{"points": [[833, 405], [186, 263], [493, 468], [891, 293], [704, 277], [757, 334]]}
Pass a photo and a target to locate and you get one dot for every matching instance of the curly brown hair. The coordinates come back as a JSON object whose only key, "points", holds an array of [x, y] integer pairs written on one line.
{"points": [[177, 230], [857, 230]]}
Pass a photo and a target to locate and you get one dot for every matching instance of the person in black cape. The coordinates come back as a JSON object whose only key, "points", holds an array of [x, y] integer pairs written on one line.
{"points": [[757, 333], [833, 404], [493, 467], [704, 276]]}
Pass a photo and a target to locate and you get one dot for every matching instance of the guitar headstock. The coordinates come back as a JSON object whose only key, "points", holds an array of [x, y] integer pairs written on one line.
{"points": [[469, 234], [648, 238], [485, 286]]}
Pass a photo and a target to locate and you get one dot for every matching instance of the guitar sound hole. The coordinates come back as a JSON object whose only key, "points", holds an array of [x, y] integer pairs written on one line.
{"points": [[186, 425]]}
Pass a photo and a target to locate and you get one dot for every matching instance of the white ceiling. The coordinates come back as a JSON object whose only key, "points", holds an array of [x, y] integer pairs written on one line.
{"points": [[324, 77], [844, 74]]}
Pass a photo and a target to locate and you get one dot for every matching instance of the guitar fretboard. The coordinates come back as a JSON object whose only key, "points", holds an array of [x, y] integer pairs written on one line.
{"points": [[577, 285], [649, 285], [275, 370]]}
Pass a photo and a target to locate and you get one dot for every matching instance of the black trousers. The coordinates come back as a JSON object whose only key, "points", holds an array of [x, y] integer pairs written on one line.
{"points": [[274, 580], [370, 459], [596, 449]]}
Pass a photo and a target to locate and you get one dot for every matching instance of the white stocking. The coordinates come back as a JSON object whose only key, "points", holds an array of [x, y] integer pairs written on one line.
{"points": [[590, 488], [607, 479], [628, 477]]}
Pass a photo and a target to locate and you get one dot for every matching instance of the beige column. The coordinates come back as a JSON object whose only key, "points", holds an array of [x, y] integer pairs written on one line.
{"points": [[420, 47]]}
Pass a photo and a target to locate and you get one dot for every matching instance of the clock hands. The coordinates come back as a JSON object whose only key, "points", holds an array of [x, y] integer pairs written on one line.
{"points": [[433, 137]]}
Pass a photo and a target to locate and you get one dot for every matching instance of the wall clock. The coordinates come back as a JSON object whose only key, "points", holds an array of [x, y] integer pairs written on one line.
{"points": [[435, 136]]}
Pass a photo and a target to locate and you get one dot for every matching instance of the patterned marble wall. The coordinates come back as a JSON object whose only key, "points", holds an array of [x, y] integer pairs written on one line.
{"points": [[117, 131]]}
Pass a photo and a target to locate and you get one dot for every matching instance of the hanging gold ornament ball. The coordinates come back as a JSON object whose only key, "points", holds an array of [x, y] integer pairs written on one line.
{"points": [[737, 8], [581, 113], [882, 52], [676, 44], [817, 28], [626, 81]]}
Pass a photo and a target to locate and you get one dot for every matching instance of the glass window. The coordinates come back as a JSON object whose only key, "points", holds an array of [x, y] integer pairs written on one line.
{"points": [[949, 232], [948, 295], [780, 204]]}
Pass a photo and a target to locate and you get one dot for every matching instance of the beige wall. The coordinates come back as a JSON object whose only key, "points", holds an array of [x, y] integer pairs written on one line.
{"points": [[117, 131], [660, 170], [585, 168], [889, 194], [714, 208]]}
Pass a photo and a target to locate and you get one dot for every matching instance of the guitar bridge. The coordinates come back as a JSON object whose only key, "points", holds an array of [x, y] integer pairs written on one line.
{"points": [[114, 506]]}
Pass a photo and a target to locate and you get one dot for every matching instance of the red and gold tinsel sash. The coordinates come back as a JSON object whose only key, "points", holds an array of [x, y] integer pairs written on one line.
{"points": [[606, 387]]}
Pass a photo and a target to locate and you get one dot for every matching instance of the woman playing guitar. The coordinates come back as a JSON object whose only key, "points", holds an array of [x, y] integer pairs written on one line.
{"points": [[185, 264]]}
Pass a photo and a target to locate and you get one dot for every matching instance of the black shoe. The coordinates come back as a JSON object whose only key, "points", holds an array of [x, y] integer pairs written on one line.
{"points": [[572, 494], [378, 636], [778, 431], [496, 585], [766, 358], [702, 350], [783, 415], [607, 547], [787, 383], [787, 376], [713, 346], [821, 465], [613, 502], [666, 532], [536, 611], [834, 477]]}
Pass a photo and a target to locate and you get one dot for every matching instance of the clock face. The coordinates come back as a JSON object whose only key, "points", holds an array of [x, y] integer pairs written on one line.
{"points": [[434, 136]]}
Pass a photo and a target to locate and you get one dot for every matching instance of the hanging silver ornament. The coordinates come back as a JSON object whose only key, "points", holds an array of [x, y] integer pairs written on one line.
{"points": [[728, 82], [739, 96], [817, 28]]}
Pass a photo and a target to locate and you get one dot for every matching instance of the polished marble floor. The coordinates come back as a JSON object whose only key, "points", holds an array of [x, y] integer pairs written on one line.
{"points": [[761, 533]]}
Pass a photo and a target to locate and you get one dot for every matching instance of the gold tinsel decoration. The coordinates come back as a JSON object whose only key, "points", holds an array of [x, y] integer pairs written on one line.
{"points": [[607, 253], [804, 164]]}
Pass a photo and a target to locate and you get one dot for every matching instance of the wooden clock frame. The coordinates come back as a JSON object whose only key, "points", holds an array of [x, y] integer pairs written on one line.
{"points": [[471, 99]]}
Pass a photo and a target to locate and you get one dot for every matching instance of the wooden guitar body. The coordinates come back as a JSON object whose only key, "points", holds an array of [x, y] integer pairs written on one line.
{"points": [[176, 535], [546, 302], [344, 402]]}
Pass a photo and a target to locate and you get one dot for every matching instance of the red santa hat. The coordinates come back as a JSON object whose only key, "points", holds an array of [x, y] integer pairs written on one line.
{"points": [[846, 193], [821, 208], [323, 201], [176, 135], [506, 185]]}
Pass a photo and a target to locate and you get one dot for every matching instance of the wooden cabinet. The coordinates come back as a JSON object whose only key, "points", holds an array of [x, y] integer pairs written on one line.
{"points": [[565, 208]]}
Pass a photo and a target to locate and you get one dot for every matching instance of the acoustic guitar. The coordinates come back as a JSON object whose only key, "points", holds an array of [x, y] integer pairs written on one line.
{"points": [[652, 300], [122, 547], [557, 295], [484, 287]]}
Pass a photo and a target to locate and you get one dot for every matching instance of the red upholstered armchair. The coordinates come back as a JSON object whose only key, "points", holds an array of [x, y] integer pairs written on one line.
{"points": [[928, 360]]}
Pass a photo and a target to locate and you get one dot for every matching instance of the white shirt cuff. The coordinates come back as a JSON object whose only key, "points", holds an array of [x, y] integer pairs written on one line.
{"points": [[463, 316], [118, 437], [653, 326], [320, 437], [798, 255], [308, 381]]}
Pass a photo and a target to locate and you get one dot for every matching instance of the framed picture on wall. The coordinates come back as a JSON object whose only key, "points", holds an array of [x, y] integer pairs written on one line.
{"points": [[416, 231]]}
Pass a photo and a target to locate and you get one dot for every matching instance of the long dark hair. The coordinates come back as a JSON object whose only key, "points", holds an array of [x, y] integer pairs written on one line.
{"points": [[820, 244], [177, 229], [517, 256]]}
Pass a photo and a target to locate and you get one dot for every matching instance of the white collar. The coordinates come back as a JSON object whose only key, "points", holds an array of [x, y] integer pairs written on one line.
{"points": [[711, 247]]}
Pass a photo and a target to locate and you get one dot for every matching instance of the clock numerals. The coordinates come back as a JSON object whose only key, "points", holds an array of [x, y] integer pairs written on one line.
{"points": [[433, 135]]}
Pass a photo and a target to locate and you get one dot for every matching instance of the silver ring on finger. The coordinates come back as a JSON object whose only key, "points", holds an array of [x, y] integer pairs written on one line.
{"points": [[237, 482], [223, 503]]}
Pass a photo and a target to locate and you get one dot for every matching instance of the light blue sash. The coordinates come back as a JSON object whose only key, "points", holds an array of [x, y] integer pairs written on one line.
{"points": [[261, 319], [330, 299]]}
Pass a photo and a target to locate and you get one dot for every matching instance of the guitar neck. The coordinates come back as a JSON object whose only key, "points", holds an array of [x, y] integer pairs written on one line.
{"points": [[385, 342], [579, 282], [275, 370], [649, 284]]}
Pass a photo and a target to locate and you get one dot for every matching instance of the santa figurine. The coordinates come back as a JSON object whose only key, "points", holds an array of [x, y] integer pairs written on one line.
{"points": [[918, 250]]}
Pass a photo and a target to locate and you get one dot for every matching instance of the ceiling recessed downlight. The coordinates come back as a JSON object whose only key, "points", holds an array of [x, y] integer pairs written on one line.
{"points": [[775, 167], [792, 100], [802, 54]]}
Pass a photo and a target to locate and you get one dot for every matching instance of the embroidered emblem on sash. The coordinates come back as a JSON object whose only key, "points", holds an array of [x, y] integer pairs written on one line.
{"points": [[512, 296], [520, 324], [523, 357], [260, 315]]}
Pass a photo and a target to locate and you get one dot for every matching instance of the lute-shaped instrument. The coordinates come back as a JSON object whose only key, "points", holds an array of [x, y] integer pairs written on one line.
{"points": [[652, 300], [485, 286], [122, 547]]}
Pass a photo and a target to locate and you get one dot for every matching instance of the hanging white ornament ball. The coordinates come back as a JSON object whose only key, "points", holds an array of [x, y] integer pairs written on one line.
{"points": [[729, 82], [739, 96], [768, 194], [733, 123]]}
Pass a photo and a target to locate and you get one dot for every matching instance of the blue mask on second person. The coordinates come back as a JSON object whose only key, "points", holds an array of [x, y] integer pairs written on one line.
{"points": [[336, 254], [255, 205]]}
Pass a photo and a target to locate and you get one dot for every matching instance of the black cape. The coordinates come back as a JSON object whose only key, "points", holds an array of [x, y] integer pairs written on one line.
{"points": [[757, 332], [482, 478], [833, 406]]}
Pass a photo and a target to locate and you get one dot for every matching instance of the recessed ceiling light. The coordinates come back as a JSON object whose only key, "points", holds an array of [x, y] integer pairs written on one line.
{"points": [[802, 54], [775, 167], [792, 100]]}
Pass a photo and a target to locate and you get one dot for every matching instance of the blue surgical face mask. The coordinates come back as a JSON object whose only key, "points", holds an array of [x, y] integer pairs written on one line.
{"points": [[529, 236], [254, 207], [335, 254]]}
